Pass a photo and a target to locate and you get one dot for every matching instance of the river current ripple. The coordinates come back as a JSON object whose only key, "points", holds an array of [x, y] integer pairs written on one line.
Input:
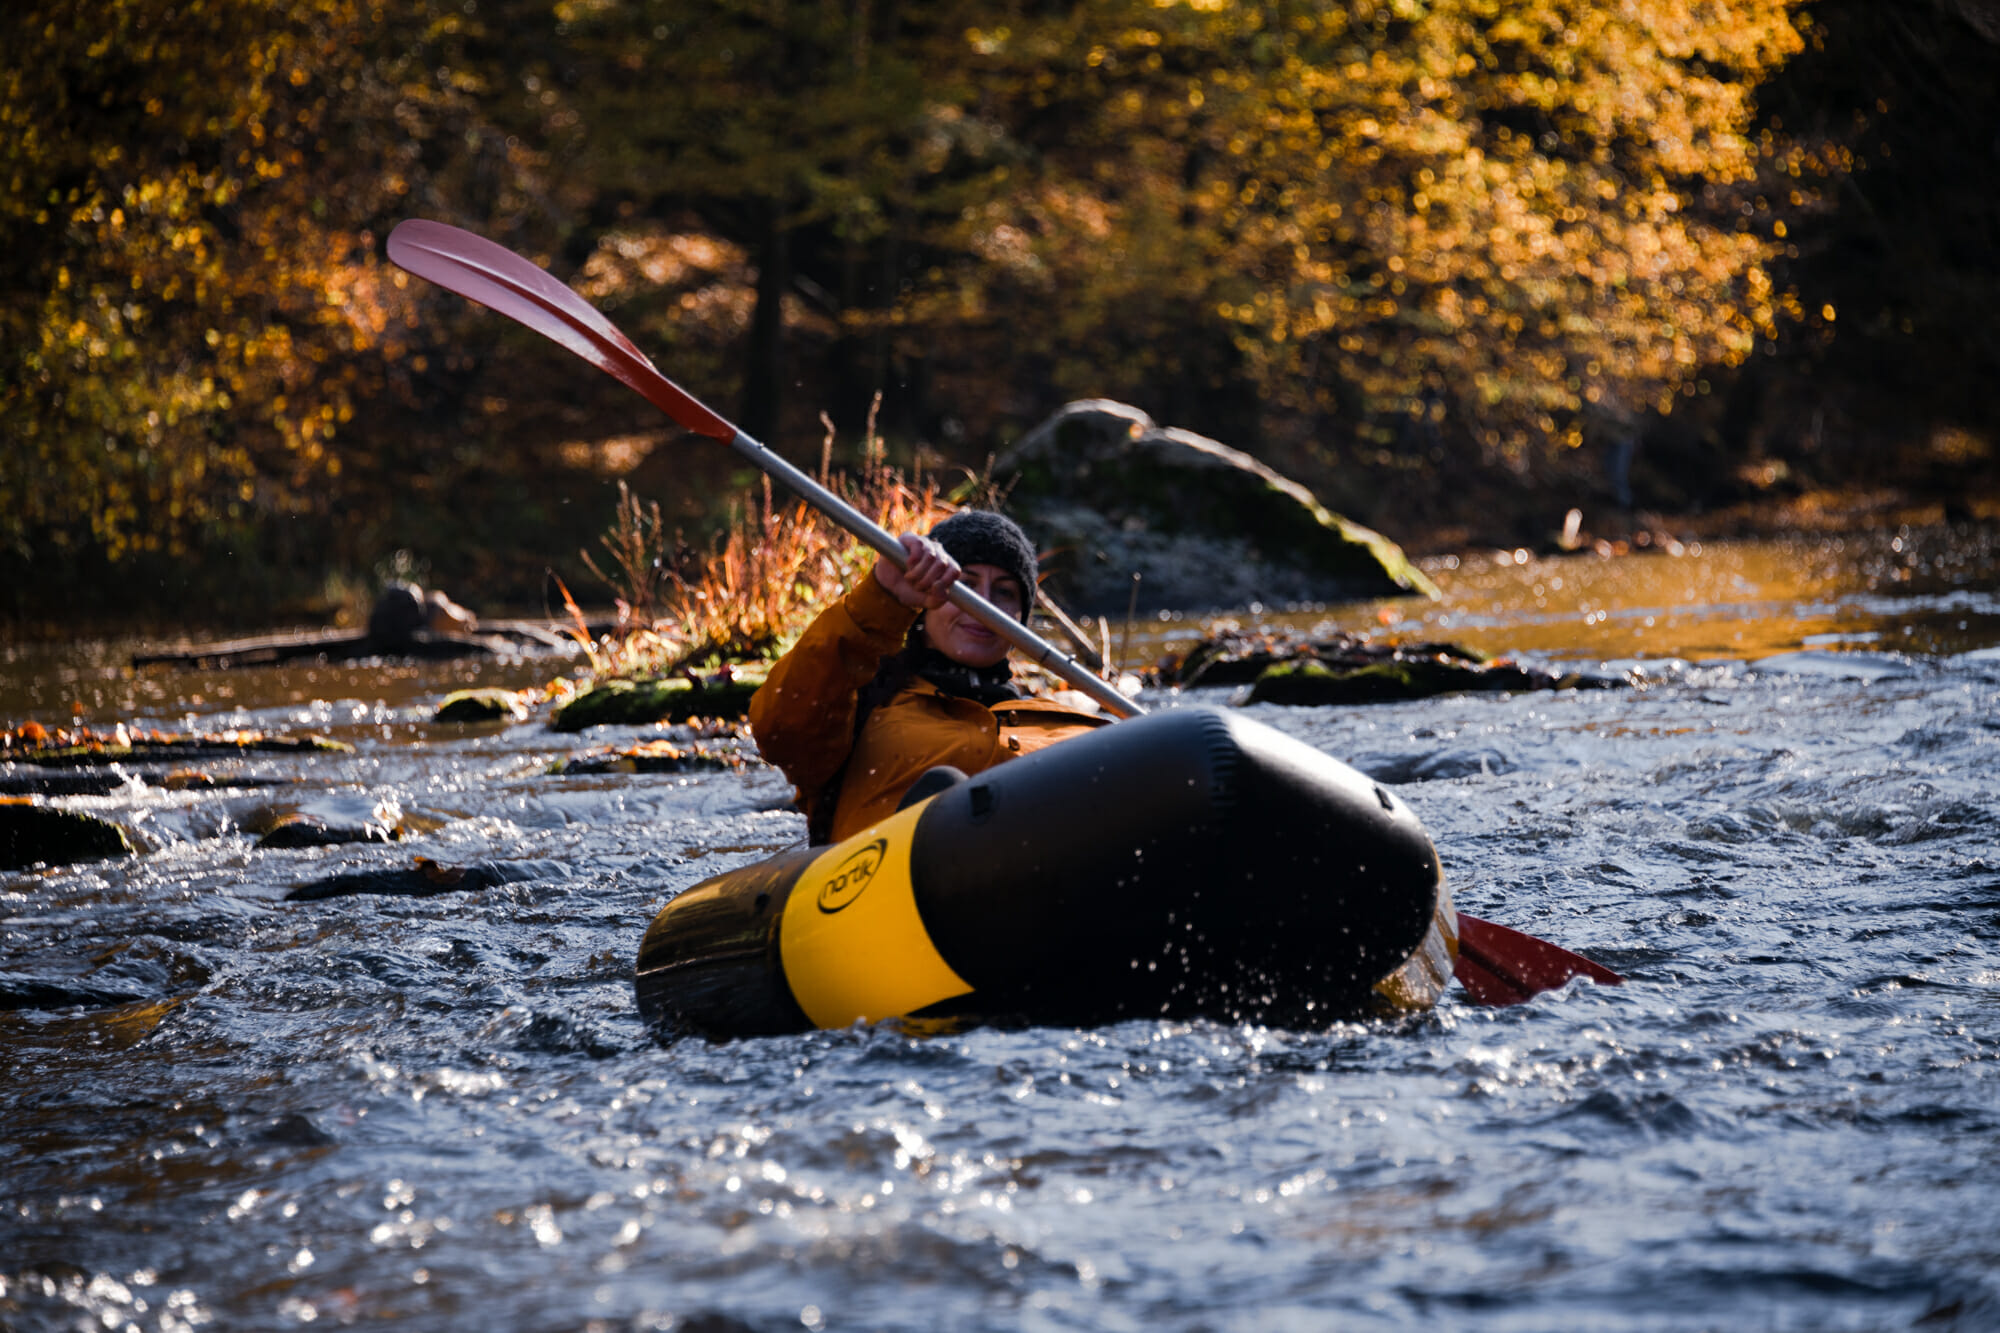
{"points": [[444, 1113]]}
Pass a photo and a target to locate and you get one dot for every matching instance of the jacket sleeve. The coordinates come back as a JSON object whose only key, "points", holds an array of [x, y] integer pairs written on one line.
{"points": [[803, 715]]}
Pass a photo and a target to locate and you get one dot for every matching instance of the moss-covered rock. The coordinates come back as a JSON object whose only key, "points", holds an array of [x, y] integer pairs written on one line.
{"points": [[1308, 681], [1239, 657], [1286, 668], [1203, 524], [483, 705], [637, 702], [83, 747], [46, 835]]}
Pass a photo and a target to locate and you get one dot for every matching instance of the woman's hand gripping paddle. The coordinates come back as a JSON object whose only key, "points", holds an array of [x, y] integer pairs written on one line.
{"points": [[501, 280], [1496, 965]]}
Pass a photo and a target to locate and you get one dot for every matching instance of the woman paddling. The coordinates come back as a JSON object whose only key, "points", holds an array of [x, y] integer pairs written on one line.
{"points": [[893, 680]]}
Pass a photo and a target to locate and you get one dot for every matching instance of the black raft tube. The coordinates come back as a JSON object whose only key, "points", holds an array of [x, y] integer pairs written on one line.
{"points": [[1187, 863]]}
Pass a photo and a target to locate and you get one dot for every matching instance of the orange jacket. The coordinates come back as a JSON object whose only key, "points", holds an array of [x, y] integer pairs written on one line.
{"points": [[803, 716]]}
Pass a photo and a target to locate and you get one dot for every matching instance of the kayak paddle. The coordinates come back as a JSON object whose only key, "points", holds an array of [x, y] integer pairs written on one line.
{"points": [[1495, 965], [526, 293]]}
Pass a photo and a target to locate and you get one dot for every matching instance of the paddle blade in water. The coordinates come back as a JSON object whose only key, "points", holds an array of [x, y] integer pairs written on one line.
{"points": [[502, 281], [1498, 965]]}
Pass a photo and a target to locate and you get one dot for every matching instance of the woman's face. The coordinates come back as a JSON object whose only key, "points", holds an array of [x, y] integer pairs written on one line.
{"points": [[963, 639]]}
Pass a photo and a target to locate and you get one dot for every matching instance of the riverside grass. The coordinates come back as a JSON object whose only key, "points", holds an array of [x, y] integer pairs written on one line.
{"points": [[767, 573]]}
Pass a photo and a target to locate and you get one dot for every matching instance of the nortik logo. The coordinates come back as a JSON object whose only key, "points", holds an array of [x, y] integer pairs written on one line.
{"points": [[852, 876]]}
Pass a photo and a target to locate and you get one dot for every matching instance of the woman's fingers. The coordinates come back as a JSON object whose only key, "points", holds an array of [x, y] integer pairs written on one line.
{"points": [[927, 575], [931, 570]]}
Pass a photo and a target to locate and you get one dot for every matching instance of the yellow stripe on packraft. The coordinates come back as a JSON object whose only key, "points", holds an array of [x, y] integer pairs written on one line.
{"points": [[852, 942]]}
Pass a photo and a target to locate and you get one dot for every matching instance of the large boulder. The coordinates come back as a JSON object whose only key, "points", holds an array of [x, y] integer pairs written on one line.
{"points": [[1112, 494]]}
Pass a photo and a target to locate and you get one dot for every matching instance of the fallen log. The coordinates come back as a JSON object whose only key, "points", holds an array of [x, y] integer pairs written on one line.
{"points": [[495, 639]]}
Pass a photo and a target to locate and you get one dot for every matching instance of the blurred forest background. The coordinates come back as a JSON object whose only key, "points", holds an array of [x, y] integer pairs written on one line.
{"points": [[1455, 264]]}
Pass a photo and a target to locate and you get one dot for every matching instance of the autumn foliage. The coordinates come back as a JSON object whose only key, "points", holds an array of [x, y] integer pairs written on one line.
{"points": [[195, 305], [1367, 239], [1499, 215]]}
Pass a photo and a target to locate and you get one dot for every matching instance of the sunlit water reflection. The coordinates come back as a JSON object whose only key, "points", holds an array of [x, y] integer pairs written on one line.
{"points": [[1928, 591], [443, 1113]]}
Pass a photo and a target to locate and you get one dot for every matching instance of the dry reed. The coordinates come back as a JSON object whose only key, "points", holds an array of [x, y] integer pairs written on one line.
{"points": [[771, 569]]}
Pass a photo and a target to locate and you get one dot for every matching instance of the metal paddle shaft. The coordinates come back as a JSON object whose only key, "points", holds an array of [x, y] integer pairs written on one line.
{"points": [[528, 294], [1037, 649]]}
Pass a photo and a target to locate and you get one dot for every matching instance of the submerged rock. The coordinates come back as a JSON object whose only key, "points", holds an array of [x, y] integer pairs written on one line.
{"points": [[46, 835], [29, 992], [92, 782], [1202, 524], [637, 702], [425, 878], [660, 756], [62, 784], [1848, 665], [1432, 765], [327, 819], [299, 829]]}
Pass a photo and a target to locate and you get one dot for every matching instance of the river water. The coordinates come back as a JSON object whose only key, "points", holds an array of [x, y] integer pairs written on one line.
{"points": [[229, 1110]]}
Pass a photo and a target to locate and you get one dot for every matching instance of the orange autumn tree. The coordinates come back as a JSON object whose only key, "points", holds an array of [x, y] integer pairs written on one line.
{"points": [[192, 297], [1507, 214]]}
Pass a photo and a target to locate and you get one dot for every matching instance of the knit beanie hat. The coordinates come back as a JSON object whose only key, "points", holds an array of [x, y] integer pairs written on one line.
{"points": [[982, 537]]}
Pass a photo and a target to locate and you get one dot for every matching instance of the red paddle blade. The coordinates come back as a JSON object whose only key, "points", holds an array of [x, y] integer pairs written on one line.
{"points": [[1499, 966], [502, 281]]}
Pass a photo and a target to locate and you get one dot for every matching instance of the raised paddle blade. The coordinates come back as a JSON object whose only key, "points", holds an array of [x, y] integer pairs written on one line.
{"points": [[528, 294], [1498, 965]]}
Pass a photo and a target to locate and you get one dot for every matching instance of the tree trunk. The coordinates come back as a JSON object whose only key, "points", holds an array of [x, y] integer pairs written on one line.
{"points": [[764, 379]]}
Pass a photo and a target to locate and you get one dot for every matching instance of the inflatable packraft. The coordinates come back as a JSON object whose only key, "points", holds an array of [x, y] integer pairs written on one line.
{"points": [[1186, 863]]}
